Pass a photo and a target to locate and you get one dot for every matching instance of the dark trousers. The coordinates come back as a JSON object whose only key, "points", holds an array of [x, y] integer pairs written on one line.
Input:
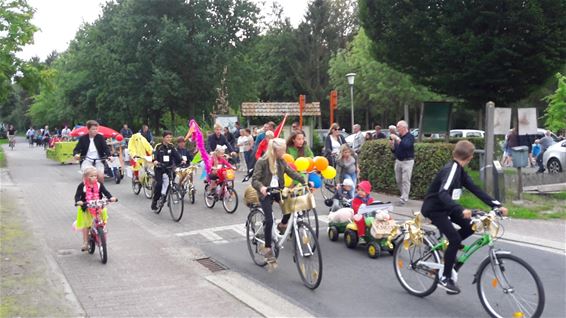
{"points": [[267, 207], [444, 225], [247, 156], [539, 162], [158, 183]]}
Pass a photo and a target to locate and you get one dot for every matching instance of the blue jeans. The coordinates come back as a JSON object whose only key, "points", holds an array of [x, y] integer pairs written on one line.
{"points": [[354, 178]]}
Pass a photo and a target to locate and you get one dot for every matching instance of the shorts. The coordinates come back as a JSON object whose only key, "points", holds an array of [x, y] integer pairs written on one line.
{"points": [[89, 163]]}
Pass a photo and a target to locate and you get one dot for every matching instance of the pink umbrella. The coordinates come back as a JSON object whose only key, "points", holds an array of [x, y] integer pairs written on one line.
{"points": [[104, 131]]}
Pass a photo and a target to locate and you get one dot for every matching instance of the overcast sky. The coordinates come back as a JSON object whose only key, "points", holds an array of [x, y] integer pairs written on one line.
{"points": [[59, 20]]}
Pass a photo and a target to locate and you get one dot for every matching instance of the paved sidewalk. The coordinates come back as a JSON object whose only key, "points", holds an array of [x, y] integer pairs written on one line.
{"points": [[150, 272], [545, 233]]}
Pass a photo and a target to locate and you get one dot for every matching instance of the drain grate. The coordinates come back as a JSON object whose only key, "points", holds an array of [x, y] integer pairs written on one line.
{"points": [[212, 264]]}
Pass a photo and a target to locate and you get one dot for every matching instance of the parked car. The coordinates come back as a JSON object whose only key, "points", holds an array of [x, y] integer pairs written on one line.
{"points": [[466, 133], [554, 158], [415, 132]]}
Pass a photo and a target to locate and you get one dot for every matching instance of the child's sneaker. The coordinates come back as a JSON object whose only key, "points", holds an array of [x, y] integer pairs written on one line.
{"points": [[449, 285]]}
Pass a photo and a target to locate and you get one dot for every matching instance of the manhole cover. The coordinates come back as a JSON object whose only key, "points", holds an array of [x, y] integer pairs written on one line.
{"points": [[212, 264]]}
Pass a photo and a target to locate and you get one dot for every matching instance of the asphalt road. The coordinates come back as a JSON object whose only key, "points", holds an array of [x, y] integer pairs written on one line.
{"points": [[352, 285]]}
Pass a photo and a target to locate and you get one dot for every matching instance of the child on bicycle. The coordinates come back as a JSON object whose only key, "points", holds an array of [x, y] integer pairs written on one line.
{"points": [[89, 189], [441, 208], [219, 166], [182, 149], [165, 156], [363, 191]]}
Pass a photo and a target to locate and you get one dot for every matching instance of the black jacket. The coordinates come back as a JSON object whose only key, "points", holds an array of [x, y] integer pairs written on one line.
{"points": [[328, 145], [100, 143], [213, 141], [440, 195], [80, 194], [162, 150]]}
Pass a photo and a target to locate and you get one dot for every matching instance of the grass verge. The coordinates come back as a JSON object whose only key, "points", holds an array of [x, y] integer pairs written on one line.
{"points": [[2, 156]]}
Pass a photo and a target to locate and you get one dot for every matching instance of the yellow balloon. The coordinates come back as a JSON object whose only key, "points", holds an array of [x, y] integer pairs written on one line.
{"points": [[288, 180], [302, 164], [329, 173]]}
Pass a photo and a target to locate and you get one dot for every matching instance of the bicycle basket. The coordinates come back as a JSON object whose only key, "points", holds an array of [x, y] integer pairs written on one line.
{"points": [[250, 196], [229, 174], [297, 201]]}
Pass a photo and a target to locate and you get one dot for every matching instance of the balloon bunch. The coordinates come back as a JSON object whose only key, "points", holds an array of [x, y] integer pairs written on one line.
{"points": [[308, 165]]}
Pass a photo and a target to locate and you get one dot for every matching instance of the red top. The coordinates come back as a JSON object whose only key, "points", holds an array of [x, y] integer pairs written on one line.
{"points": [[221, 161], [359, 201]]}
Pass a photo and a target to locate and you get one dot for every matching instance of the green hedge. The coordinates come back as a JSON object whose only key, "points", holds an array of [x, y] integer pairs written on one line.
{"points": [[377, 165], [478, 142]]}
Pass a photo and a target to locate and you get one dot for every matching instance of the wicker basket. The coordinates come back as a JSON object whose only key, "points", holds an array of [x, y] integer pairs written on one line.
{"points": [[250, 196], [296, 202]]}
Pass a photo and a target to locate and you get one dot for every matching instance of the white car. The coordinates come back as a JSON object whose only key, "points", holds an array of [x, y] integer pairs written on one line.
{"points": [[554, 158], [466, 133]]}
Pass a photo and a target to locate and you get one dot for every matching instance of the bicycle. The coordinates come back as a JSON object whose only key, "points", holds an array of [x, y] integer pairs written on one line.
{"points": [[144, 181], [506, 284], [307, 256], [97, 231], [12, 142], [224, 191], [173, 197], [186, 177], [328, 188]]}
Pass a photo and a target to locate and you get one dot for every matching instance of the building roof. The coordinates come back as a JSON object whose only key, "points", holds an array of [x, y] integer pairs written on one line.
{"points": [[279, 109]]}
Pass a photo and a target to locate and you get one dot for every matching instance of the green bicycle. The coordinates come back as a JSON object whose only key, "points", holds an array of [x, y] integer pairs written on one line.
{"points": [[506, 285]]}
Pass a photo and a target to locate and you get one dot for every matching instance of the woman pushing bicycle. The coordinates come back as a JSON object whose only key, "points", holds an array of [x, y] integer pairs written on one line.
{"points": [[268, 173], [88, 190]]}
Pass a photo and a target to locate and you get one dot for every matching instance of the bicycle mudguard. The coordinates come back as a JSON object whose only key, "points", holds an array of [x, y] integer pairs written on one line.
{"points": [[487, 259]]}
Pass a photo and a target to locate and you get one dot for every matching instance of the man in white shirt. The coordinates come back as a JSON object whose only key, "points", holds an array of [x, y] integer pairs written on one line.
{"points": [[359, 139], [66, 133]]}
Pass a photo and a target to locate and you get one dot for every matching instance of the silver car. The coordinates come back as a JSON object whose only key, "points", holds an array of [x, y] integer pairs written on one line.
{"points": [[554, 158]]}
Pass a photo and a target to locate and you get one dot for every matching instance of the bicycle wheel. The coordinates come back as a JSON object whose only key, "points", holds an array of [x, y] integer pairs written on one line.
{"points": [[511, 288], [307, 255], [136, 185], [209, 199], [176, 203], [102, 245], [415, 277], [311, 218], [230, 200], [328, 188], [254, 233], [91, 241], [147, 186], [192, 194]]}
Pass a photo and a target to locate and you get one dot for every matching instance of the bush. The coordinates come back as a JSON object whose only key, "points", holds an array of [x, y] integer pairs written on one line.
{"points": [[377, 165], [479, 143]]}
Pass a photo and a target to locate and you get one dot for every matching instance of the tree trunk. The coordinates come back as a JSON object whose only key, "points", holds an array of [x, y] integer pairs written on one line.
{"points": [[479, 119], [367, 117]]}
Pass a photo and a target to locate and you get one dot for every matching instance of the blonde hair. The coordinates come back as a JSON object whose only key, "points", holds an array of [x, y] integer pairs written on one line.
{"points": [[217, 125], [344, 147], [88, 170], [274, 144]]}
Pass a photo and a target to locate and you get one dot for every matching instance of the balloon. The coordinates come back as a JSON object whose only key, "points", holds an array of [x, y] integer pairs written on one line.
{"points": [[311, 164], [288, 158], [329, 173], [315, 179], [292, 166], [288, 180], [119, 137], [321, 163], [302, 164]]}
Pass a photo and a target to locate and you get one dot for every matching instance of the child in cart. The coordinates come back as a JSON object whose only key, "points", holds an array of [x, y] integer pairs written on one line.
{"points": [[362, 198], [342, 198]]}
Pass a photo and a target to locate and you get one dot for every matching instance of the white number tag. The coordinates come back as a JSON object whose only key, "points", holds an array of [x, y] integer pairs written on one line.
{"points": [[184, 158], [456, 194], [165, 158]]}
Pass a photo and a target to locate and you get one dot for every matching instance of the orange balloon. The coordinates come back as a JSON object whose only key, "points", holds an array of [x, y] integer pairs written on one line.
{"points": [[311, 164], [288, 158], [321, 163]]}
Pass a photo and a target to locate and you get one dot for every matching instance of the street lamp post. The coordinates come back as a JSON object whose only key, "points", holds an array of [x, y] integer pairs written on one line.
{"points": [[350, 77]]}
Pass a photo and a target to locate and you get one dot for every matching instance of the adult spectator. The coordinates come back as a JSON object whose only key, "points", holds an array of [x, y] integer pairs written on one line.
{"points": [[544, 142], [332, 143], [245, 142], [378, 134], [126, 132], [217, 138], [359, 139], [270, 126], [392, 131], [237, 133], [297, 146], [66, 133], [91, 149], [527, 140], [146, 133], [403, 146], [369, 136], [230, 137], [512, 141], [347, 166]]}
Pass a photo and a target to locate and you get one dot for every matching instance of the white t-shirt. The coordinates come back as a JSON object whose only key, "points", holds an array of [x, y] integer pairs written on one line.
{"points": [[241, 141], [335, 145], [66, 132], [92, 153]]}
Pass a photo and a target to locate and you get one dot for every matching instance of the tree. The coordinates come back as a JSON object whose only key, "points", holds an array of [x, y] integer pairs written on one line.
{"points": [[498, 50], [380, 92], [555, 114], [16, 31]]}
